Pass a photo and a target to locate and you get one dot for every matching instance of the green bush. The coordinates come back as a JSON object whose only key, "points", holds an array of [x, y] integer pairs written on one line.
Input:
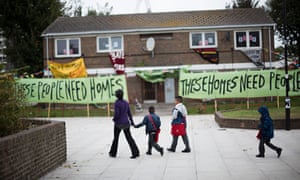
{"points": [[12, 106]]}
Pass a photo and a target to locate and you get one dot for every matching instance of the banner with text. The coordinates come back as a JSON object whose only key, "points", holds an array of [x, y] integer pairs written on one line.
{"points": [[76, 91], [118, 61], [238, 84], [74, 69]]}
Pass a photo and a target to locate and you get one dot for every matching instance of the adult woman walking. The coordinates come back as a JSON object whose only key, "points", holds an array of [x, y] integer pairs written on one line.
{"points": [[122, 121]]}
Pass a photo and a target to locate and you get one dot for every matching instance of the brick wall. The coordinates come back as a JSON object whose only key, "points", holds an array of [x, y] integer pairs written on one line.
{"points": [[32, 153], [174, 50], [167, 52]]}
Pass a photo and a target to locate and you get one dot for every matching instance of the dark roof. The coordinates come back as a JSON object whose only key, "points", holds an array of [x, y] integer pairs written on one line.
{"points": [[169, 20]]}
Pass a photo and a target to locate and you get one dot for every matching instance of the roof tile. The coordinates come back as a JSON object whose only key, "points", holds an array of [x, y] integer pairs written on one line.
{"points": [[226, 17]]}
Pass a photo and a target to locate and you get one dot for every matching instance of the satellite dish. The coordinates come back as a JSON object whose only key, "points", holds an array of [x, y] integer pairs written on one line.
{"points": [[150, 44]]}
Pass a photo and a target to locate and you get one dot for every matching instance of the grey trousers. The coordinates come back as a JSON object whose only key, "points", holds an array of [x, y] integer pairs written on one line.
{"points": [[152, 143], [185, 140]]}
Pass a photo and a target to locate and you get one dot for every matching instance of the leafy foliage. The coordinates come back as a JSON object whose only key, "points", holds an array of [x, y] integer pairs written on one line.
{"points": [[12, 106], [243, 4], [277, 12], [74, 8], [23, 23]]}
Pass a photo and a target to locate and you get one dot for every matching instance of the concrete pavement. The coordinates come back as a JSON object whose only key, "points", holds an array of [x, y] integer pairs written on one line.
{"points": [[217, 153]]}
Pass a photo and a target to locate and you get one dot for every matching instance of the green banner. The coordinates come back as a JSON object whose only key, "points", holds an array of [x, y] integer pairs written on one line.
{"points": [[76, 90], [238, 84], [157, 75]]}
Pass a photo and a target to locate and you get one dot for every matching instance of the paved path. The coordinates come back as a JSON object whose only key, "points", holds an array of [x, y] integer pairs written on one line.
{"points": [[217, 153]]}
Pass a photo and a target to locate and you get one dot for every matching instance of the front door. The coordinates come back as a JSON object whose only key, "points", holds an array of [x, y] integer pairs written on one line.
{"points": [[169, 90], [149, 92]]}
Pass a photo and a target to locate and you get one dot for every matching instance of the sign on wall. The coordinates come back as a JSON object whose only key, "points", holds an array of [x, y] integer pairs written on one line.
{"points": [[76, 91], [209, 54], [118, 61], [239, 84], [74, 69]]}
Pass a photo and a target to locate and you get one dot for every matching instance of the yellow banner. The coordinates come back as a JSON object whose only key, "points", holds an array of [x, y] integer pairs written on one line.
{"points": [[74, 69]]}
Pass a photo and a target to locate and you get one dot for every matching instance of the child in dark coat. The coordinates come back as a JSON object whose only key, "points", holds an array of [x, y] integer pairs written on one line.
{"points": [[266, 133], [152, 123]]}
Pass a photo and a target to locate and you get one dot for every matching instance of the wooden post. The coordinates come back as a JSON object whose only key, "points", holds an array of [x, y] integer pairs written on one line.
{"points": [[49, 109], [248, 105], [216, 105], [88, 110], [63, 110], [108, 110], [277, 102]]}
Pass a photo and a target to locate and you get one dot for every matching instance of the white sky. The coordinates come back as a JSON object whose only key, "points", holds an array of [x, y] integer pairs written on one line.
{"points": [[130, 6]]}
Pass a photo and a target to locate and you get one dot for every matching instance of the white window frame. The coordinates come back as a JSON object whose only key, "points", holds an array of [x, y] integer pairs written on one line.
{"points": [[247, 39], [109, 43], [68, 47], [203, 39]]}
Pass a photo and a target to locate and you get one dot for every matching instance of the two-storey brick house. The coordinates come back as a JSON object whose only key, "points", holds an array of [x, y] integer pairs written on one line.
{"points": [[214, 40]]}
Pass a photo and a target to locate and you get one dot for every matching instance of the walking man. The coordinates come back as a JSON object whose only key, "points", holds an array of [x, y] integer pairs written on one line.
{"points": [[179, 116]]}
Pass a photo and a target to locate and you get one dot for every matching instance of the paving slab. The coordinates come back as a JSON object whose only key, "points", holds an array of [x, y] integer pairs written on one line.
{"points": [[217, 153]]}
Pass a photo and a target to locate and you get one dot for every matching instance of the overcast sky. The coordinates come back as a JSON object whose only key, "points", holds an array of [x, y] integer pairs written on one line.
{"points": [[131, 6]]}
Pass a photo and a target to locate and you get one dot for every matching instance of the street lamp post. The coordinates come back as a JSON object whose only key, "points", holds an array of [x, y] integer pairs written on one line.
{"points": [[287, 98]]}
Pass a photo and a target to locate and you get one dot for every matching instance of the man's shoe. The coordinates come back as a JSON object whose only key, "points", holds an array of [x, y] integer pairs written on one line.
{"points": [[260, 156], [148, 153], [279, 152], [161, 151], [111, 155], [134, 156], [186, 151], [171, 150]]}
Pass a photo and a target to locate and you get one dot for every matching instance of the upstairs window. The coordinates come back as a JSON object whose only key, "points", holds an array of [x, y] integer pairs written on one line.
{"points": [[109, 43], [203, 39], [67, 47], [247, 39]]}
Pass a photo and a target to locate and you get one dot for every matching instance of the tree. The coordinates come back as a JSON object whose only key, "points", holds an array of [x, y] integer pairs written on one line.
{"points": [[22, 23], [73, 8], [243, 4], [92, 12], [276, 11], [12, 105], [104, 11]]}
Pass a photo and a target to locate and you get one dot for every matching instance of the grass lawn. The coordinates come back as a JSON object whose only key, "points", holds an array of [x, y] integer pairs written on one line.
{"points": [[233, 109], [77, 112], [238, 109], [275, 113]]}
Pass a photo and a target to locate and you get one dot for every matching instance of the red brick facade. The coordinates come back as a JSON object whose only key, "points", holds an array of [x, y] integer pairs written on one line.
{"points": [[170, 51], [171, 32]]}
